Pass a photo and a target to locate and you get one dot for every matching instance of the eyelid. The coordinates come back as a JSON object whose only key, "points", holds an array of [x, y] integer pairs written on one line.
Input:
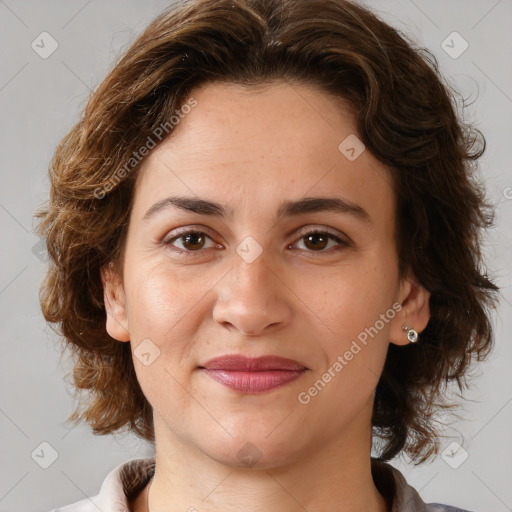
{"points": [[321, 229], [342, 239], [188, 229]]}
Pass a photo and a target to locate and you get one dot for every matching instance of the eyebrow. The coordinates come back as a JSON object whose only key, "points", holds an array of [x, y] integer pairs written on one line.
{"points": [[287, 208]]}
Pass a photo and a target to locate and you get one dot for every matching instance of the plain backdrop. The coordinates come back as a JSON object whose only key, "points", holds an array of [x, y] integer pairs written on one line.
{"points": [[40, 99]]}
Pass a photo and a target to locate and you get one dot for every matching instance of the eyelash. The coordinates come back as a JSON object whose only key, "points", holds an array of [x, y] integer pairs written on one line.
{"points": [[188, 253]]}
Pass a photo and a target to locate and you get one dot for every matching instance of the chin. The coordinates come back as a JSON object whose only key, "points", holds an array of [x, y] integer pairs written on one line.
{"points": [[254, 452]]}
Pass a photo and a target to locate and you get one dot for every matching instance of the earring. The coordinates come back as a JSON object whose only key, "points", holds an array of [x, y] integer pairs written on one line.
{"points": [[412, 335]]}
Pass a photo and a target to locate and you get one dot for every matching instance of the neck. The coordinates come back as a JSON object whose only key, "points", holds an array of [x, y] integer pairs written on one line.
{"points": [[331, 476]]}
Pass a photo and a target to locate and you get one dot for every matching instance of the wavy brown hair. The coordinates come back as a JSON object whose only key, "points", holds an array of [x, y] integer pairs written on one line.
{"points": [[406, 115]]}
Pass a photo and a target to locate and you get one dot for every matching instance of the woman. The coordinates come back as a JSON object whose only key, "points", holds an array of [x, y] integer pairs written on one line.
{"points": [[265, 235]]}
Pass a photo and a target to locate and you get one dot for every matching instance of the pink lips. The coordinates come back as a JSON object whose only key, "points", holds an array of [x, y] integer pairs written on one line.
{"points": [[253, 375]]}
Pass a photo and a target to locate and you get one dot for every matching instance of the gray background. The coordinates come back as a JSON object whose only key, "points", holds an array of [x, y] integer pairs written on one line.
{"points": [[40, 99]]}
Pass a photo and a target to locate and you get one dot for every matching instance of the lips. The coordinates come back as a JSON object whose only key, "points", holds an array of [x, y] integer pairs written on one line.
{"points": [[236, 362], [253, 375]]}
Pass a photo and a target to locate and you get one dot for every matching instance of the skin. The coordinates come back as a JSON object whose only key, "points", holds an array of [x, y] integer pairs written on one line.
{"points": [[250, 149]]}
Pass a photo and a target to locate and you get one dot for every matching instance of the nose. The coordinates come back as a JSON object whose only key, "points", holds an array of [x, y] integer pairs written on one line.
{"points": [[252, 299]]}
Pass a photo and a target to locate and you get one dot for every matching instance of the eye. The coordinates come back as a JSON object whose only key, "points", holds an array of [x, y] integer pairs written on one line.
{"points": [[191, 241], [317, 241]]}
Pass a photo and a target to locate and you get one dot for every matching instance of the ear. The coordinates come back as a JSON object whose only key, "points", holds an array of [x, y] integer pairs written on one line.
{"points": [[115, 304], [415, 310]]}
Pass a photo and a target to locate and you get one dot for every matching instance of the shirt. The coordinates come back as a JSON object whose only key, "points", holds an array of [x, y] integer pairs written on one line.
{"points": [[127, 480]]}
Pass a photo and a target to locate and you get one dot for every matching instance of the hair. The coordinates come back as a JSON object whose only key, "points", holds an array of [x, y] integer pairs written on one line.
{"points": [[406, 115]]}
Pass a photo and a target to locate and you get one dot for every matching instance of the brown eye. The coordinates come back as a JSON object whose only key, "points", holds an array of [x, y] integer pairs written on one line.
{"points": [[189, 241], [321, 241], [193, 241], [316, 241]]}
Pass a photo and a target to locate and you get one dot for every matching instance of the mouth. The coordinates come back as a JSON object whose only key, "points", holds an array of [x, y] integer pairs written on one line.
{"points": [[253, 375]]}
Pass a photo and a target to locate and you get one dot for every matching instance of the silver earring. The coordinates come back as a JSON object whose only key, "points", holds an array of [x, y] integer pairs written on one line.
{"points": [[412, 335]]}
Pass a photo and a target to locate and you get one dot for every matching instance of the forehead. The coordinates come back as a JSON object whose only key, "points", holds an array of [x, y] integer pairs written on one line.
{"points": [[255, 146]]}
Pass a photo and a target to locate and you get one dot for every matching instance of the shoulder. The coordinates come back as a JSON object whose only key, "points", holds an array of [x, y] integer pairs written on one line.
{"points": [[437, 507], [119, 486], [400, 495], [80, 506]]}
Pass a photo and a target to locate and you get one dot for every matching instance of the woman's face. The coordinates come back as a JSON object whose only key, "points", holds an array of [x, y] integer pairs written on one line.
{"points": [[254, 281]]}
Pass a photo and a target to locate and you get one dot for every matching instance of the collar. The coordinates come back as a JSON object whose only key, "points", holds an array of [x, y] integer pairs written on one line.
{"points": [[125, 481]]}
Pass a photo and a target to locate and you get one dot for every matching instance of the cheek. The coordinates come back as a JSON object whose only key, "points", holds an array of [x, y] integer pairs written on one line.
{"points": [[160, 298], [161, 318], [168, 306], [352, 298], [357, 307]]}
